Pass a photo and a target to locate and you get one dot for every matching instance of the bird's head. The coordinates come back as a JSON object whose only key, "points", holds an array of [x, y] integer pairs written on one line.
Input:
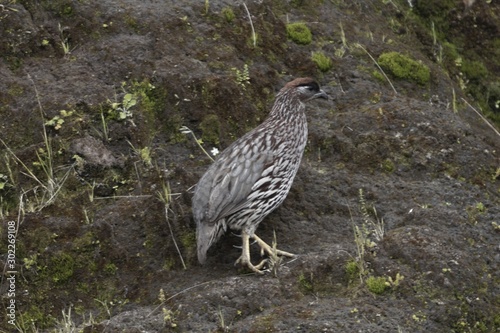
{"points": [[306, 88]]}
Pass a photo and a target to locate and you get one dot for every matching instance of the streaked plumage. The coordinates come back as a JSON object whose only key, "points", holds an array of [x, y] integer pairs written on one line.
{"points": [[253, 175]]}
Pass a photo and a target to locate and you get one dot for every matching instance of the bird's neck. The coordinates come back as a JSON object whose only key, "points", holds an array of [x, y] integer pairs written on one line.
{"points": [[287, 107]]}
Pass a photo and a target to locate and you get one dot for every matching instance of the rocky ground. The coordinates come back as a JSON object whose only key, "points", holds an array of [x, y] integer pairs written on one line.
{"points": [[394, 214]]}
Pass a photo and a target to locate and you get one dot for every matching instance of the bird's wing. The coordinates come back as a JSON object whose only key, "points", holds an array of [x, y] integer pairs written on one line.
{"points": [[237, 185], [225, 187]]}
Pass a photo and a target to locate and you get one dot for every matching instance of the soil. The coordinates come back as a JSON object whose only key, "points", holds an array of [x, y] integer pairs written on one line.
{"points": [[394, 214]]}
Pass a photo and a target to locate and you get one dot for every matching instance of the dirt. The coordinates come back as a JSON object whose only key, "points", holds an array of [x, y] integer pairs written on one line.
{"points": [[394, 214]]}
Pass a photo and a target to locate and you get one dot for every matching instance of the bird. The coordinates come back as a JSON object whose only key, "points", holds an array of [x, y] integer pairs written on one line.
{"points": [[253, 175]]}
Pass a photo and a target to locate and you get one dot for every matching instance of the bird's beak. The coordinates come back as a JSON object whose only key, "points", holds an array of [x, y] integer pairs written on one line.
{"points": [[321, 94]]}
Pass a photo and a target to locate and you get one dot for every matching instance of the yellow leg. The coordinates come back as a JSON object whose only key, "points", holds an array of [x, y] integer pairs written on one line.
{"points": [[264, 247], [244, 259]]}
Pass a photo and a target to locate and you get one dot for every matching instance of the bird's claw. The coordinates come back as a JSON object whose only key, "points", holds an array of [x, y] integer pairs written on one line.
{"points": [[245, 262]]}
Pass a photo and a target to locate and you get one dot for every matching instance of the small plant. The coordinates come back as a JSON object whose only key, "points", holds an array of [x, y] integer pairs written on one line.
{"points": [[495, 226], [133, 93], [362, 239], [376, 285], [207, 6], [66, 324], [169, 316], [323, 62], [393, 283], [58, 120], [496, 174], [352, 269], [362, 244], [165, 196], [242, 77], [143, 153], [228, 14], [110, 269], [31, 262], [376, 223], [305, 284], [4, 181], [222, 322], [403, 67], [299, 33], [419, 317], [49, 186], [122, 110], [342, 36], [475, 211], [64, 40]]}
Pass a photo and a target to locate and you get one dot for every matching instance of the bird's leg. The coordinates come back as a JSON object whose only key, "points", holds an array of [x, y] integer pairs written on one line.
{"points": [[244, 259], [264, 247]]}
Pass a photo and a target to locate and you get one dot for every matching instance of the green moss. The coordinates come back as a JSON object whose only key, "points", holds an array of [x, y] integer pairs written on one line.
{"points": [[433, 17], [323, 62], [13, 62], [40, 239], [378, 76], [110, 269], [299, 33], [62, 8], [431, 7], [210, 127], [169, 264], [32, 318], [228, 14], [376, 285], [450, 53], [15, 90], [388, 165], [496, 320], [352, 270], [152, 99], [403, 67], [131, 22], [305, 284], [86, 242], [494, 96], [188, 241], [61, 267], [83, 287], [474, 70]]}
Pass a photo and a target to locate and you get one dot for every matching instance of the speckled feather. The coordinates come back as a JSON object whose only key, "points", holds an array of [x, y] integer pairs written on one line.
{"points": [[253, 175]]}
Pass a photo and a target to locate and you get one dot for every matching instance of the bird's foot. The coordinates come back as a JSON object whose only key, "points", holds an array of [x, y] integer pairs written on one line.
{"points": [[271, 251], [244, 259], [245, 262]]}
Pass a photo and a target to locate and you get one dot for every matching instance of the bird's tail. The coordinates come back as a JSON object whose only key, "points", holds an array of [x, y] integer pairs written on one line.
{"points": [[206, 235]]}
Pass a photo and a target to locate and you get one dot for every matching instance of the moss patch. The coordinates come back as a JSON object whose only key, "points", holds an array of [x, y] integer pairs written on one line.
{"points": [[321, 60], [299, 33], [403, 67], [210, 126], [376, 285], [61, 267]]}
